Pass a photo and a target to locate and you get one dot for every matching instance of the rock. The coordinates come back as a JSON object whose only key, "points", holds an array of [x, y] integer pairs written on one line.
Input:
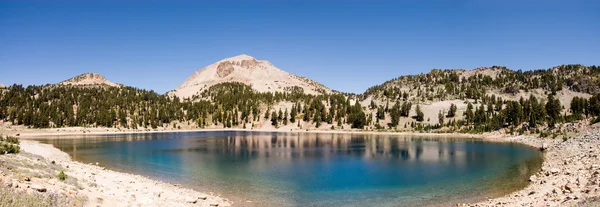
{"points": [[570, 187], [132, 196], [544, 146], [595, 166], [533, 178], [38, 188], [554, 171], [214, 204], [191, 200], [157, 194], [27, 179], [53, 162], [202, 197]]}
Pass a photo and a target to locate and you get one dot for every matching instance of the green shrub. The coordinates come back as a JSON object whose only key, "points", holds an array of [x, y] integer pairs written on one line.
{"points": [[62, 176], [10, 148], [13, 140]]}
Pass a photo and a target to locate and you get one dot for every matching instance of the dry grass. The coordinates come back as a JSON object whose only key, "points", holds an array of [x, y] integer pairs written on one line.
{"points": [[17, 198], [26, 165]]}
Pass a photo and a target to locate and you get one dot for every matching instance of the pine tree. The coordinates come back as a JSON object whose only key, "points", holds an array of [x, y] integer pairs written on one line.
{"points": [[274, 119], [285, 117], [293, 114], [553, 109], [452, 111], [469, 113], [420, 116]]}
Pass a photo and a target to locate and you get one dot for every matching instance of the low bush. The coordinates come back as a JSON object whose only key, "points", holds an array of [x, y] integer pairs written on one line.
{"points": [[62, 176], [9, 148], [13, 140]]}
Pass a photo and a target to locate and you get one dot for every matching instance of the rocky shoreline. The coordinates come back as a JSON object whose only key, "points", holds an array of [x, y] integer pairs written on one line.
{"points": [[34, 171], [570, 174]]}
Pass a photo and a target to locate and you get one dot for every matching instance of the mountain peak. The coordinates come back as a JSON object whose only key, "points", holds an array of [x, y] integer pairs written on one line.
{"points": [[261, 75], [88, 79], [239, 58]]}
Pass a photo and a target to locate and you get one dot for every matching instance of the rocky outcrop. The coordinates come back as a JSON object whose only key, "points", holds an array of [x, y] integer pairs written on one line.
{"points": [[224, 69]]}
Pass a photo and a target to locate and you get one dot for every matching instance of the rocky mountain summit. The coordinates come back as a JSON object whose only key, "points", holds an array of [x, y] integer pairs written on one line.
{"points": [[261, 75]]}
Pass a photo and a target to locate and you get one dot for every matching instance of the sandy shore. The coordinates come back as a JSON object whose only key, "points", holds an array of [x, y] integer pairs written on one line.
{"points": [[569, 176], [100, 186]]}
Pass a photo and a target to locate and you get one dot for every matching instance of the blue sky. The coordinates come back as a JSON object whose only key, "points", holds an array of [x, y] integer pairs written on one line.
{"points": [[346, 45]]}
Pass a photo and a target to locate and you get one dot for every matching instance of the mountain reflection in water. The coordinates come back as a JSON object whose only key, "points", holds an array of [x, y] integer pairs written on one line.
{"points": [[316, 169]]}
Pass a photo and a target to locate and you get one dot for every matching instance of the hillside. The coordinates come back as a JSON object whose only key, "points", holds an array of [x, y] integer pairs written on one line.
{"points": [[451, 84], [261, 75], [89, 79], [473, 101], [437, 90]]}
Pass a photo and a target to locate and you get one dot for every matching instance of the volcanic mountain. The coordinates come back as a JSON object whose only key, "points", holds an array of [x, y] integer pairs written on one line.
{"points": [[89, 79], [261, 75]]}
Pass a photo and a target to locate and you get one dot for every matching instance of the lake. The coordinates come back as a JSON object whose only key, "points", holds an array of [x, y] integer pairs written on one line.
{"points": [[316, 169]]}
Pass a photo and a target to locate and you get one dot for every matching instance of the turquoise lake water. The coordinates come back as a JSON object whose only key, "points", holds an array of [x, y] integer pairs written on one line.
{"points": [[310, 169]]}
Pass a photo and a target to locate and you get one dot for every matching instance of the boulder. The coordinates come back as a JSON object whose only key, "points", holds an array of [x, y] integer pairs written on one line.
{"points": [[554, 171], [38, 188], [544, 146], [570, 187], [191, 200], [533, 178]]}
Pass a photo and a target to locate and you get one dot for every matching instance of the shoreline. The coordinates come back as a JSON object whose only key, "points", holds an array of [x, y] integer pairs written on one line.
{"points": [[541, 191], [70, 131], [100, 186]]}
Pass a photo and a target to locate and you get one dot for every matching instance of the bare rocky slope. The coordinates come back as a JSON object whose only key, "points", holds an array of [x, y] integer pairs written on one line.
{"points": [[89, 79], [261, 75]]}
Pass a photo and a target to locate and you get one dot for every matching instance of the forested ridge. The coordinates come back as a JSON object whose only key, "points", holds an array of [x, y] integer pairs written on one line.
{"points": [[486, 99], [225, 104]]}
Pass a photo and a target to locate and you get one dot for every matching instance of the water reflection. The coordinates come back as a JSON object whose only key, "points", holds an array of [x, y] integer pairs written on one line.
{"points": [[297, 169]]}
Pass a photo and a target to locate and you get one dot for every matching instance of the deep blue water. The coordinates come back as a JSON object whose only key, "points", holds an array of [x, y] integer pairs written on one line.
{"points": [[303, 169]]}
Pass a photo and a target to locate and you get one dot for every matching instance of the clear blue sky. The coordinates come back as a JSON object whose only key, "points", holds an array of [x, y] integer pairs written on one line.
{"points": [[346, 45]]}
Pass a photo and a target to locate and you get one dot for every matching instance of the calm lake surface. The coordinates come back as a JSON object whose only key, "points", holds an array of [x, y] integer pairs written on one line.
{"points": [[310, 169]]}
